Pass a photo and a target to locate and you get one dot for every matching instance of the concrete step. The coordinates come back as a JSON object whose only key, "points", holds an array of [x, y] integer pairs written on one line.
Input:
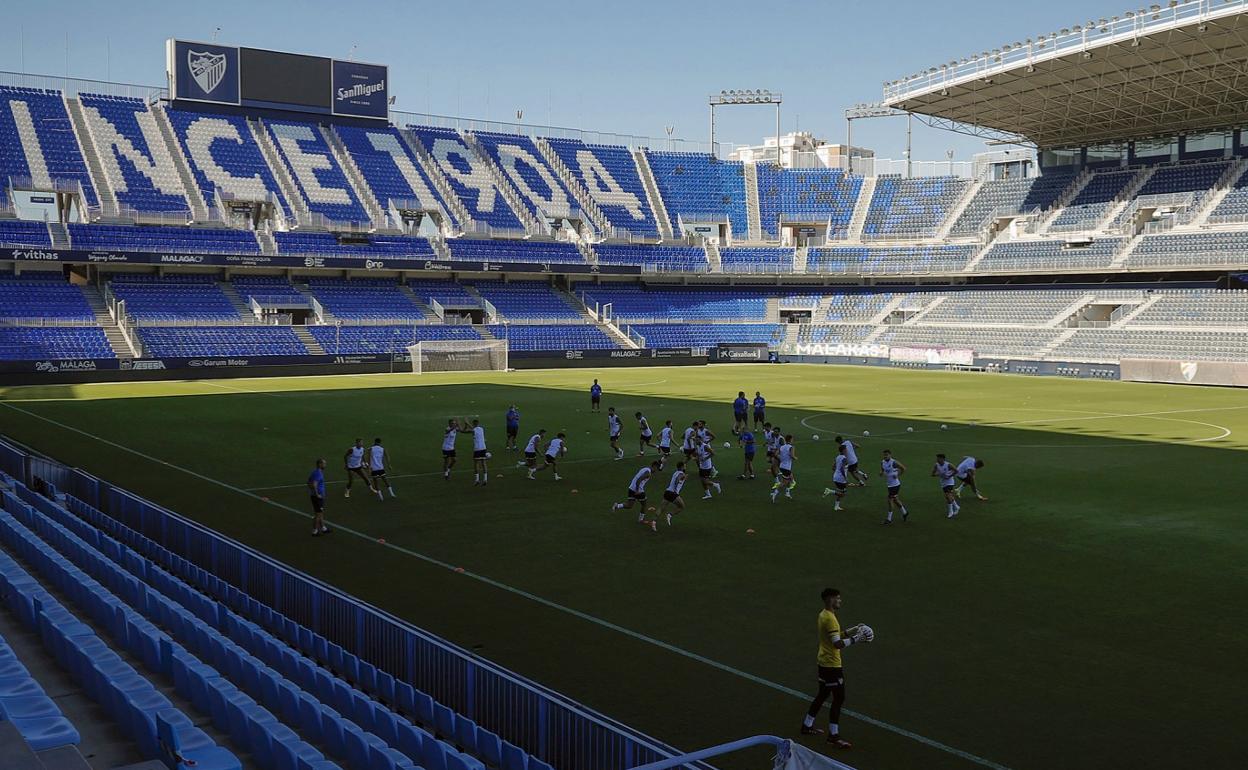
{"points": [[309, 342]]}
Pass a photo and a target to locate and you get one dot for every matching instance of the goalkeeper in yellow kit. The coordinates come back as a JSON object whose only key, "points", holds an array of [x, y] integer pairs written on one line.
{"points": [[831, 675]]}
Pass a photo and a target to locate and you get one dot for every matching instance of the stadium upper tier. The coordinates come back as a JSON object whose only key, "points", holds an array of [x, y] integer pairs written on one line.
{"points": [[139, 176]]}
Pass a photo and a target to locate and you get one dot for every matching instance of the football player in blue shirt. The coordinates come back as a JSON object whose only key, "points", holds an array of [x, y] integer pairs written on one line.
{"points": [[595, 397], [316, 488], [513, 427], [739, 407], [760, 409], [746, 440]]}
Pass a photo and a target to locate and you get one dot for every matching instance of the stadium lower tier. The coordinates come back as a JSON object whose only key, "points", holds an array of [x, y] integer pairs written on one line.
{"points": [[183, 316]]}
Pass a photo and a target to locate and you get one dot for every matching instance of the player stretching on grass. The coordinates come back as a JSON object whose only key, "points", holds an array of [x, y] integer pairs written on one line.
{"points": [[377, 468], [840, 478], [831, 674], [637, 490], [531, 449], [554, 450], [316, 488], [891, 469], [671, 496], [968, 469], [614, 428], [786, 453], [353, 461], [945, 472], [739, 409], [643, 427]]}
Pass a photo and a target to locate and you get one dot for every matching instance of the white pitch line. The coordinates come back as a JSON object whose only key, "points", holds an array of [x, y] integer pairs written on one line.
{"points": [[929, 742]]}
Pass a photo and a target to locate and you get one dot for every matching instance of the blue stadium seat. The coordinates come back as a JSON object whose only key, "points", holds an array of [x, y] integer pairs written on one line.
{"points": [[224, 157], [34, 124], [541, 190], [468, 176], [315, 171], [137, 163], [609, 174], [812, 196], [390, 168], [700, 187]]}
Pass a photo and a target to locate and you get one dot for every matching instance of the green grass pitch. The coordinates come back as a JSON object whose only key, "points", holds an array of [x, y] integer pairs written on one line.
{"points": [[1085, 617]]}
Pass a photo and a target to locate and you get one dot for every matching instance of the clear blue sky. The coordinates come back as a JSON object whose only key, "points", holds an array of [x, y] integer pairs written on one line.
{"points": [[630, 67]]}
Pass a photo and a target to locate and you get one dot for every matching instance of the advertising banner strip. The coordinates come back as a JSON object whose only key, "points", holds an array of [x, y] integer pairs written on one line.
{"points": [[35, 254], [932, 356]]}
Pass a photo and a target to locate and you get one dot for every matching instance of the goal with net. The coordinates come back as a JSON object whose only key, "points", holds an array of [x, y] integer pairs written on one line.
{"points": [[458, 356]]}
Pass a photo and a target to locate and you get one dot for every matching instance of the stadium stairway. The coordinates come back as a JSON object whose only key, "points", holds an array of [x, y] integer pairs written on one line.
{"points": [[754, 227], [308, 340], [858, 220], [713, 257], [1126, 197], [221, 659], [240, 306], [580, 194], [652, 193], [511, 196], [194, 194], [278, 168], [955, 212], [1221, 188], [355, 178], [1071, 192], [108, 199], [116, 340], [430, 316]]}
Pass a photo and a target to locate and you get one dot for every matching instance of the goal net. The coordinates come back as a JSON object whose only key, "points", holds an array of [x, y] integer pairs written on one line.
{"points": [[458, 356]]}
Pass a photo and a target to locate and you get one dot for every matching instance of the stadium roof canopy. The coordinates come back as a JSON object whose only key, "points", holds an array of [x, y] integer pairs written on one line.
{"points": [[1178, 69]]}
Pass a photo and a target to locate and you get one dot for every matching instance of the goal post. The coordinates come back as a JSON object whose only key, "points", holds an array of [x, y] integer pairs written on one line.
{"points": [[458, 356]]}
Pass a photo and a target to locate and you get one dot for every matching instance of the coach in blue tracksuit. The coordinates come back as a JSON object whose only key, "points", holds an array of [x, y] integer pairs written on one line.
{"points": [[739, 407]]}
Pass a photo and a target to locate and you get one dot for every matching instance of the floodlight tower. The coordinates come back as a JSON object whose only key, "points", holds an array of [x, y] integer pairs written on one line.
{"points": [[861, 111], [756, 96]]}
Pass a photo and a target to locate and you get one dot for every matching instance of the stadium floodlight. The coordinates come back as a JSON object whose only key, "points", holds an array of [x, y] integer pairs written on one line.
{"points": [[746, 96]]}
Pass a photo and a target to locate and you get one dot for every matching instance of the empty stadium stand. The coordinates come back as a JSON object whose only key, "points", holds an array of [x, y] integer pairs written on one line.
{"points": [[699, 188], [225, 158], [609, 174], [468, 176], [38, 144], [138, 166]]}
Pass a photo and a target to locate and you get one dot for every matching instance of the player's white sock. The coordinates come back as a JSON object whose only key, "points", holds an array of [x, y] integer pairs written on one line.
{"points": [[641, 517], [774, 492], [558, 477], [616, 506], [707, 496], [718, 488], [837, 507], [531, 474], [808, 721], [889, 517], [834, 728], [347, 493]]}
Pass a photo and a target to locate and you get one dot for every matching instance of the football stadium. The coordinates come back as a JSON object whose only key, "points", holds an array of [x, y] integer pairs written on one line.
{"points": [[782, 456]]}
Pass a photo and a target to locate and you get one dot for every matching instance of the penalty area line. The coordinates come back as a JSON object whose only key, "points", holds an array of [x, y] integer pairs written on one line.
{"points": [[636, 635]]}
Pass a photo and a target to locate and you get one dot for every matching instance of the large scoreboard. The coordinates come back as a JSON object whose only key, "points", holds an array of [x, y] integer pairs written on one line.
{"points": [[252, 77]]}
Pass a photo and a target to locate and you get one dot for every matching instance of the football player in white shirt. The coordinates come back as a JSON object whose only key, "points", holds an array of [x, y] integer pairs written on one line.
{"points": [[706, 470], [840, 477], [945, 472], [968, 469], [665, 441], [786, 453], [671, 496], [643, 427], [450, 433], [774, 438], [891, 469], [637, 490], [614, 428], [554, 450], [531, 449], [353, 461], [851, 452], [480, 455], [377, 468], [688, 444]]}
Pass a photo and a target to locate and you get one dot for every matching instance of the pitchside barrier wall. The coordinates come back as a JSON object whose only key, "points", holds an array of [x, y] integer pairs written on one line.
{"points": [[547, 725], [112, 369], [1231, 374]]}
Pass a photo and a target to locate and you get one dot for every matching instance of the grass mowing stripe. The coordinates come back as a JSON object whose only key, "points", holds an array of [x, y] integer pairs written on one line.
{"points": [[931, 743]]}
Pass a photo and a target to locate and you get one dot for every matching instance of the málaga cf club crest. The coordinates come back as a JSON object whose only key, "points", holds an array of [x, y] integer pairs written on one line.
{"points": [[208, 69]]}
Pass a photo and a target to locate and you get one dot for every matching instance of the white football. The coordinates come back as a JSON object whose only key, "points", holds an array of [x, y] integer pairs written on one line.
{"points": [[944, 427], [727, 445], [909, 430], [866, 433], [815, 437], [488, 455]]}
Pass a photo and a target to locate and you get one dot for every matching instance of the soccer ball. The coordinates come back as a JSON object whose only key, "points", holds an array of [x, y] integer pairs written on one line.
{"points": [[815, 437], [727, 445], [489, 455], [866, 433], [944, 427], [909, 430]]}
